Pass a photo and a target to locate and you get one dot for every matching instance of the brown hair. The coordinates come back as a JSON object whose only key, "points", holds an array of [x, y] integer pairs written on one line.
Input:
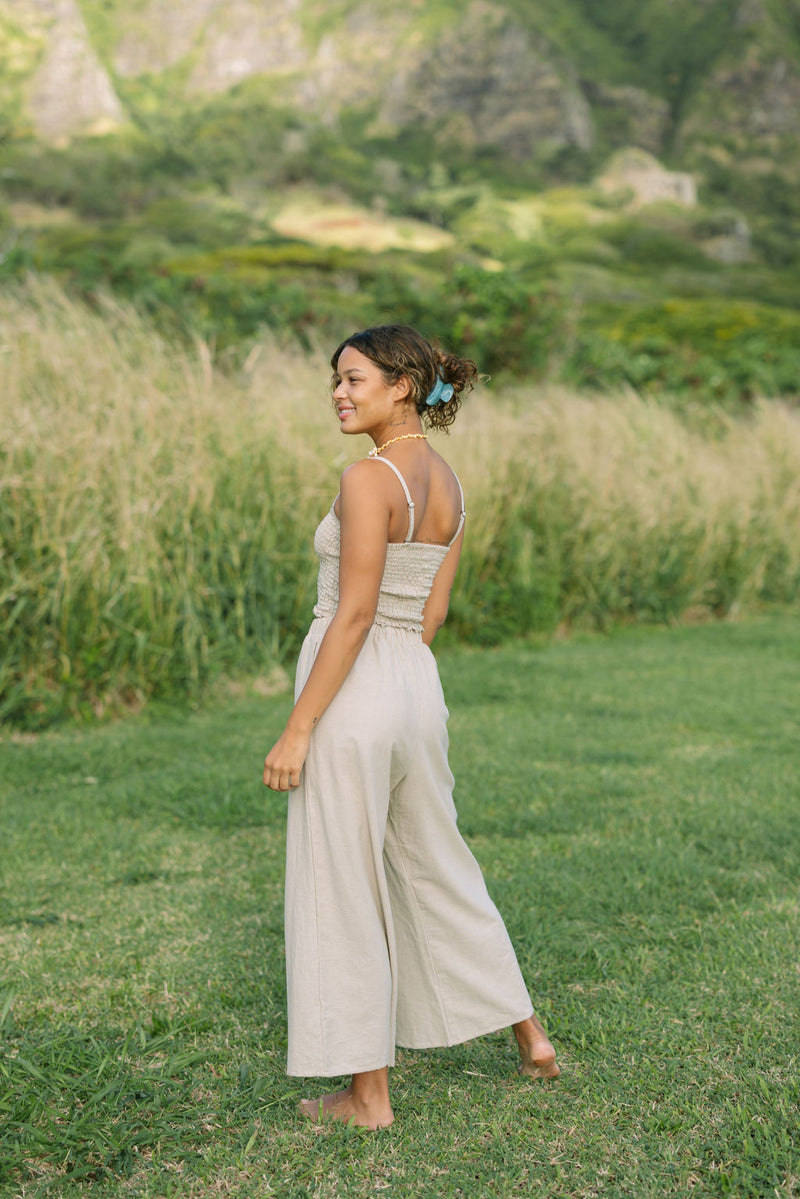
{"points": [[400, 350]]}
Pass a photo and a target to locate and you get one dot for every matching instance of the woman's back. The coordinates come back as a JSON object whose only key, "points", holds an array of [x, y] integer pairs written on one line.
{"points": [[418, 544], [429, 484]]}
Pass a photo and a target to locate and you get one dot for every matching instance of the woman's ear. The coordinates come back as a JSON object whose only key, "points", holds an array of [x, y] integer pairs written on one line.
{"points": [[403, 389]]}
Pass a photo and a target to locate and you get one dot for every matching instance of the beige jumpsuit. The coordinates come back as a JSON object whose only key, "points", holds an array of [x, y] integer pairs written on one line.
{"points": [[391, 937]]}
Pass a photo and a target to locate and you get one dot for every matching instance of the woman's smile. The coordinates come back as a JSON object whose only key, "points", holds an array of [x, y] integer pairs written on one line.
{"points": [[375, 402]]}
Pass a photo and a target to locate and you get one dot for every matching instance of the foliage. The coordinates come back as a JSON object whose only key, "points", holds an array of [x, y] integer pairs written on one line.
{"points": [[668, 44], [527, 317], [175, 212], [507, 321], [632, 802], [162, 538], [771, 198], [720, 349]]}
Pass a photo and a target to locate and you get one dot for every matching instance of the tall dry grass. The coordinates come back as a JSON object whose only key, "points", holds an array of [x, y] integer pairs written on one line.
{"points": [[156, 507], [607, 509]]}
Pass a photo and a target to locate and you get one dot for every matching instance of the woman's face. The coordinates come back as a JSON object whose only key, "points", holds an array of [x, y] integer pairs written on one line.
{"points": [[363, 399]]}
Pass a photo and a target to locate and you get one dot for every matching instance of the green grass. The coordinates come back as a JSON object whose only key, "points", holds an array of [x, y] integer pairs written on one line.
{"points": [[634, 803]]}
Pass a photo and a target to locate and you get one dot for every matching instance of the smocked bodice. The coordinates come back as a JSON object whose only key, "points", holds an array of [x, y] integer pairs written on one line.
{"points": [[411, 567]]}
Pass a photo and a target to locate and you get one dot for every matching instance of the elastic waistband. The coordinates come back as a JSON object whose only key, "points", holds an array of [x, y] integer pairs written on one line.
{"points": [[379, 623]]}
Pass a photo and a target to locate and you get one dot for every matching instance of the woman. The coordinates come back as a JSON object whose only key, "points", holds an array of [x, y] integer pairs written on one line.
{"points": [[391, 937]]}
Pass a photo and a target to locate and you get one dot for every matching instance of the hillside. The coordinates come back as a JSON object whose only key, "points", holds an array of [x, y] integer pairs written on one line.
{"points": [[522, 77], [550, 177]]}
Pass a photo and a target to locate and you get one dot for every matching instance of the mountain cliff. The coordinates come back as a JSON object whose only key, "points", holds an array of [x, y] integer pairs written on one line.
{"points": [[691, 80], [605, 192]]}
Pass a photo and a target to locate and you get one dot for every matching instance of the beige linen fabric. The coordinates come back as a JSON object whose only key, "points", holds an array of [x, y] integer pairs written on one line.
{"points": [[391, 936]]}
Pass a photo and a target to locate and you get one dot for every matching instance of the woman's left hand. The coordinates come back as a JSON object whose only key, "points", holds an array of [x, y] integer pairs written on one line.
{"points": [[284, 761]]}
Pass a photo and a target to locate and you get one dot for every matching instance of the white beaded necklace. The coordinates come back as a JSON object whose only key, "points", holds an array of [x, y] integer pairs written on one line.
{"points": [[402, 437]]}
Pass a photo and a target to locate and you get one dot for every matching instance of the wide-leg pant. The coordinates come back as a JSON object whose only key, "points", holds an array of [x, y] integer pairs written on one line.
{"points": [[391, 937]]}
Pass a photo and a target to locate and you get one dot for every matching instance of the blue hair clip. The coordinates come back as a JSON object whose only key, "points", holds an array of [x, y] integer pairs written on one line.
{"points": [[441, 393]]}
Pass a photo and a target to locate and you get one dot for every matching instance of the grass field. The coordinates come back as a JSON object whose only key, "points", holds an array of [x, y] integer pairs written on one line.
{"points": [[633, 800]]}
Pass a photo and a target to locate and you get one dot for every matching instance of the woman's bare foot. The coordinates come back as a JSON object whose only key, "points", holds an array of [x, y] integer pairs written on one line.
{"points": [[538, 1055], [364, 1103]]}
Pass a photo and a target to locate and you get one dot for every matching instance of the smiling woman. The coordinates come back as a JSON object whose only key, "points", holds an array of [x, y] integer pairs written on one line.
{"points": [[391, 937], [432, 385]]}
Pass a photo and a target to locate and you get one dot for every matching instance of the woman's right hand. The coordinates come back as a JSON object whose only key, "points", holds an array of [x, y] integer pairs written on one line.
{"points": [[285, 760]]}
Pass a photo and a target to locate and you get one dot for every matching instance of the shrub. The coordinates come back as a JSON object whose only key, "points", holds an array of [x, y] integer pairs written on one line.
{"points": [[717, 349]]}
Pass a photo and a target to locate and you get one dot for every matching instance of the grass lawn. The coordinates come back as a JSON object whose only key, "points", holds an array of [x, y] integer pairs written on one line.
{"points": [[635, 804]]}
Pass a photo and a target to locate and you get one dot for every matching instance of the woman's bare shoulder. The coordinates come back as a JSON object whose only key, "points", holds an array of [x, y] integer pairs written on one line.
{"points": [[362, 478]]}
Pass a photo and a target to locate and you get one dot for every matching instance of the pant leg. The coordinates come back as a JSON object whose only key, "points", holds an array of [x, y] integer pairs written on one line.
{"points": [[340, 950], [458, 973]]}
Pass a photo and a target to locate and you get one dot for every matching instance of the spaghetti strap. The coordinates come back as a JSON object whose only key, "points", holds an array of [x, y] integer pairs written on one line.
{"points": [[409, 500], [463, 511]]}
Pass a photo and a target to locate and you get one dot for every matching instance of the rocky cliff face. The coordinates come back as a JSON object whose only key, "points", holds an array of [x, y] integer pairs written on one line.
{"points": [[749, 105], [488, 82], [492, 78], [220, 42], [67, 88]]}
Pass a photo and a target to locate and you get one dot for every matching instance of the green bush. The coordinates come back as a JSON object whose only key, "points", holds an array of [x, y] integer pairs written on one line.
{"points": [[717, 349], [647, 247]]}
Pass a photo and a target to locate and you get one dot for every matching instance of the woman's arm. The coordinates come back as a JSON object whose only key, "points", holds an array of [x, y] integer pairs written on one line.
{"points": [[364, 513], [437, 603]]}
